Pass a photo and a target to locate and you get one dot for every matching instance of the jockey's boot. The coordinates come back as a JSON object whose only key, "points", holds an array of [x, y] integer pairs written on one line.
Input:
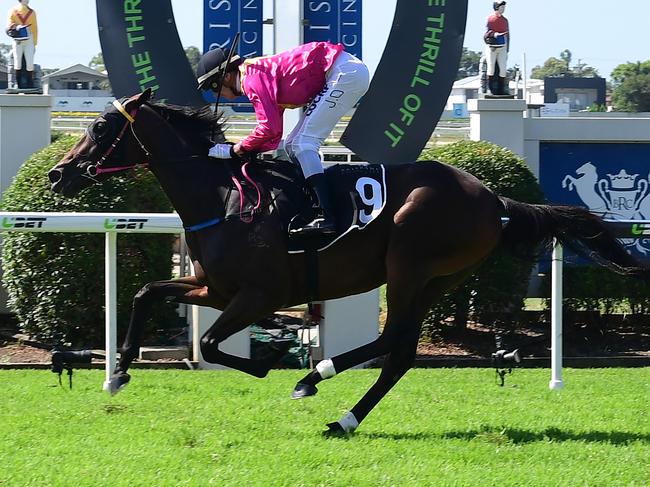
{"points": [[324, 222], [503, 86], [29, 76], [492, 85], [19, 78]]}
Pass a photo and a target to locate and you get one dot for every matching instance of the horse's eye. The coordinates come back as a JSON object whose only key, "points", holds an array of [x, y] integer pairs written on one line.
{"points": [[100, 128]]}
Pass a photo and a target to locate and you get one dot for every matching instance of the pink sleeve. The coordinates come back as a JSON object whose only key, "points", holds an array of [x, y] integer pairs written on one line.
{"points": [[261, 91]]}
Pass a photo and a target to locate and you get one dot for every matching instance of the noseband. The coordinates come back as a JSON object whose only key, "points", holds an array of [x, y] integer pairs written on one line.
{"points": [[99, 168]]}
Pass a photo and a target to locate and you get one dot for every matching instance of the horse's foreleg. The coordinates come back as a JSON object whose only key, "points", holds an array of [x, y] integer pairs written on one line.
{"points": [[184, 290], [568, 182], [244, 309]]}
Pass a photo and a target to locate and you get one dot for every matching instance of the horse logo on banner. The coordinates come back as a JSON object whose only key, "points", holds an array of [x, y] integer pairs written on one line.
{"points": [[620, 196]]}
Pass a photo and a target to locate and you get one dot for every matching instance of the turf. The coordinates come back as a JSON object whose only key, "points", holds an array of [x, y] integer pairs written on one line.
{"points": [[437, 427]]}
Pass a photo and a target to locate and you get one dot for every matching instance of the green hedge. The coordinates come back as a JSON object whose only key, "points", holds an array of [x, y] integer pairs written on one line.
{"points": [[55, 281], [500, 285]]}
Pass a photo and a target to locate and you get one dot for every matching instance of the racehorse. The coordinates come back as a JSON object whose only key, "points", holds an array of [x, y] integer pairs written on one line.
{"points": [[437, 226]]}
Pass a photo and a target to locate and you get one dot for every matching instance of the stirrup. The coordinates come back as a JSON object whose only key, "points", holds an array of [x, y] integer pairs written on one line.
{"points": [[318, 226]]}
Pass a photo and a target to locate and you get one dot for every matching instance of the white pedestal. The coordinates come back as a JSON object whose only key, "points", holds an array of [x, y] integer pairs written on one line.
{"points": [[24, 129], [499, 121]]}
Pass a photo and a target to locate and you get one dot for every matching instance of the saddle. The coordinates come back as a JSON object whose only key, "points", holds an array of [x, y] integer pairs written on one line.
{"points": [[358, 192]]}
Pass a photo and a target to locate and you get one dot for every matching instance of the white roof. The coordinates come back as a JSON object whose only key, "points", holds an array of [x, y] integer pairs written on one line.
{"points": [[76, 68]]}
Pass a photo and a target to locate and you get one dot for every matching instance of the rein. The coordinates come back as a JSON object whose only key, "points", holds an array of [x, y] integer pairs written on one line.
{"points": [[242, 195]]}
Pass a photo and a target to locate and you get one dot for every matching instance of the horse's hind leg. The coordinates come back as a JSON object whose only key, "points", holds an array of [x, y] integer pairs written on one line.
{"points": [[402, 331], [403, 292], [184, 290], [245, 308]]}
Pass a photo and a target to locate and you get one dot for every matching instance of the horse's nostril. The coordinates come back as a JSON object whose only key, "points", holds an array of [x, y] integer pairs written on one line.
{"points": [[55, 175]]}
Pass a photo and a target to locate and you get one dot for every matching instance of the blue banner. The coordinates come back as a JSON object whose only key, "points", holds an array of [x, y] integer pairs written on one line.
{"points": [[334, 21], [611, 179], [222, 19]]}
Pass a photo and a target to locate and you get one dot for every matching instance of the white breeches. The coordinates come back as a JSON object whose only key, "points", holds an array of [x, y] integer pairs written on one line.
{"points": [[25, 48], [346, 82], [495, 55]]}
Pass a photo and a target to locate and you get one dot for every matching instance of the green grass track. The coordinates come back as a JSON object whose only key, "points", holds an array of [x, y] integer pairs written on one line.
{"points": [[437, 427]]}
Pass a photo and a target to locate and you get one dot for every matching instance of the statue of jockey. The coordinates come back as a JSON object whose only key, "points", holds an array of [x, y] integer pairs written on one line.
{"points": [[498, 35], [320, 77], [23, 19]]}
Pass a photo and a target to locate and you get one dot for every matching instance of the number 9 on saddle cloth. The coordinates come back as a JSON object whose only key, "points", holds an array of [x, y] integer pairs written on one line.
{"points": [[358, 193]]}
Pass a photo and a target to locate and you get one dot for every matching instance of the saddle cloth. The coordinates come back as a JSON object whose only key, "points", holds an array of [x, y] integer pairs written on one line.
{"points": [[357, 191]]}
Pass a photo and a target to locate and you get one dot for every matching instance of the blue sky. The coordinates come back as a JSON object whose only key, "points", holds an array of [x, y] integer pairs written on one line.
{"points": [[600, 33]]}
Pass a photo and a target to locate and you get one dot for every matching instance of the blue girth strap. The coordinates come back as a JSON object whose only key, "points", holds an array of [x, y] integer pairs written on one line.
{"points": [[201, 226]]}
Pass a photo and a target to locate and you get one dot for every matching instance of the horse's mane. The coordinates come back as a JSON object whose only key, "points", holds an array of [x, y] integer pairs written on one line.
{"points": [[200, 124]]}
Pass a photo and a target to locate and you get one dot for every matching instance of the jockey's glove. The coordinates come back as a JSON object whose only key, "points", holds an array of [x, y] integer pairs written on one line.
{"points": [[222, 151]]}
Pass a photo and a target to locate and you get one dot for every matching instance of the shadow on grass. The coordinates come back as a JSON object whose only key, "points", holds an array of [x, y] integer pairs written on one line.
{"points": [[519, 436]]}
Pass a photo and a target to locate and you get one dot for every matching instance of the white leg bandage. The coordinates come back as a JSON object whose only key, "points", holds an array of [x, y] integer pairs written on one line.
{"points": [[348, 422], [326, 368]]}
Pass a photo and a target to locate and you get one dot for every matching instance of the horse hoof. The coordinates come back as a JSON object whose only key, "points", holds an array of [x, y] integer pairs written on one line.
{"points": [[334, 429], [303, 390], [116, 383]]}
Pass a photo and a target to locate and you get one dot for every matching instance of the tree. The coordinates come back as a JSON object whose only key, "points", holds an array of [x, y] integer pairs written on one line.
{"points": [[633, 94], [193, 55], [97, 62], [469, 64], [554, 67], [623, 71], [566, 57], [5, 52]]}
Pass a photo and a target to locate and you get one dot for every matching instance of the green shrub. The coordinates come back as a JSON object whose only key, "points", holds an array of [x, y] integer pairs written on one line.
{"points": [[55, 281], [594, 289], [56, 135], [497, 289]]}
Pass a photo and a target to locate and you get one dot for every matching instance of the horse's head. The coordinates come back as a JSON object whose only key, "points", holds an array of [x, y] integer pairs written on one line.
{"points": [[587, 168], [105, 148]]}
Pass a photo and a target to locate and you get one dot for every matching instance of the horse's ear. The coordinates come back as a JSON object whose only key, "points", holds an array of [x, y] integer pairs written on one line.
{"points": [[138, 100], [145, 96]]}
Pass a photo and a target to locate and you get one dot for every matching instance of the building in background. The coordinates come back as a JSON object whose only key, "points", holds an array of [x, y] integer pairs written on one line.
{"points": [[77, 89], [468, 89], [579, 93]]}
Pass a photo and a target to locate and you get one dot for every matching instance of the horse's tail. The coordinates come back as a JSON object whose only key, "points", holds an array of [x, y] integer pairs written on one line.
{"points": [[576, 228]]}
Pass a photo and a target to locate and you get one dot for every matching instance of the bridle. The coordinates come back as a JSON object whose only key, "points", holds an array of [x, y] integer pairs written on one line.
{"points": [[93, 170], [99, 167]]}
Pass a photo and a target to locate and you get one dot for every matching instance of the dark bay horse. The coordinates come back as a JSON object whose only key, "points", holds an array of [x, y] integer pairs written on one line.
{"points": [[439, 223]]}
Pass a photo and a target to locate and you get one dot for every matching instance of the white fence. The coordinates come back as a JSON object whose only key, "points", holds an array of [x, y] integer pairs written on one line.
{"points": [[110, 224], [335, 338], [113, 223], [237, 128]]}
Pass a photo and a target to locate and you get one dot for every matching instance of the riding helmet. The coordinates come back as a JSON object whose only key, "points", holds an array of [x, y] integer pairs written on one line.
{"points": [[212, 66], [496, 5]]}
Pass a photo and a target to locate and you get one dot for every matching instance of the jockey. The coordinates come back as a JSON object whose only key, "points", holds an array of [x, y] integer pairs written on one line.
{"points": [[21, 16], [320, 77]]}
